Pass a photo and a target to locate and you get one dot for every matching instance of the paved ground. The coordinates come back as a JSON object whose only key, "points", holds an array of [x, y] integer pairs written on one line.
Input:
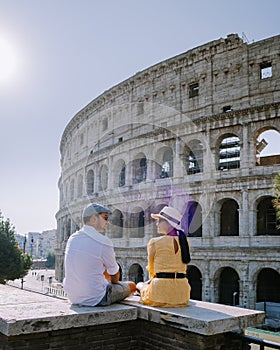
{"points": [[37, 280]]}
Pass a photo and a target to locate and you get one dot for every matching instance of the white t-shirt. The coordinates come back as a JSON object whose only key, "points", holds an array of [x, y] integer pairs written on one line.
{"points": [[88, 253]]}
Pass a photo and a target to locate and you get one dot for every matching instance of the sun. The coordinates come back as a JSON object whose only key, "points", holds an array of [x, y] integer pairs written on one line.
{"points": [[8, 61]]}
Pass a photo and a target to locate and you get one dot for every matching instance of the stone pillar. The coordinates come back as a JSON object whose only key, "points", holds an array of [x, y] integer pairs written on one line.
{"points": [[178, 161], [129, 173], [243, 215], [150, 170], [244, 151], [206, 288]]}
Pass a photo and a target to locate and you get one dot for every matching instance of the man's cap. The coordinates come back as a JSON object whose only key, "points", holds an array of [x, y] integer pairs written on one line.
{"points": [[95, 208]]}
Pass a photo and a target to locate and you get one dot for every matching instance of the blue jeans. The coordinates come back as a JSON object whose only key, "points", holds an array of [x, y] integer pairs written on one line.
{"points": [[115, 292]]}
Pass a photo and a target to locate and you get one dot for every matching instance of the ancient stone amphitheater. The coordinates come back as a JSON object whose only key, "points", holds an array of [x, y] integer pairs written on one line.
{"points": [[186, 132]]}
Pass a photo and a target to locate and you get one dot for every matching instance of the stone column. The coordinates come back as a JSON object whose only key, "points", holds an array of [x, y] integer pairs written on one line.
{"points": [[206, 288], [243, 215], [178, 161], [244, 151]]}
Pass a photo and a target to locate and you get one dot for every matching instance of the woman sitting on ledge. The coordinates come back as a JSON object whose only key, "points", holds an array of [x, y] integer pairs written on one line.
{"points": [[168, 256]]}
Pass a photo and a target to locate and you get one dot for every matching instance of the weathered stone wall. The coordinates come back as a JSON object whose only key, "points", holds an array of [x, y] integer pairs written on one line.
{"points": [[198, 97], [133, 335]]}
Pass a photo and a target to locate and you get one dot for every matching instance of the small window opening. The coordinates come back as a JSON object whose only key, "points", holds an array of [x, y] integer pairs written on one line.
{"points": [[266, 70], [227, 109], [193, 90], [120, 139], [105, 124], [122, 177]]}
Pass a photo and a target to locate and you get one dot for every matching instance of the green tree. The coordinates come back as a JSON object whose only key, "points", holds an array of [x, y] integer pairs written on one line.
{"points": [[14, 263], [276, 200], [50, 264]]}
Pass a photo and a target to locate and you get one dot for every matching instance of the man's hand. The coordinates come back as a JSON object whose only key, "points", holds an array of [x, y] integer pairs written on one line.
{"points": [[115, 278], [107, 276]]}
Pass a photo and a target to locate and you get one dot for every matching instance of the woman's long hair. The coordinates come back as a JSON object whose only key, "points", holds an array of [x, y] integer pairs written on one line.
{"points": [[185, 250]]}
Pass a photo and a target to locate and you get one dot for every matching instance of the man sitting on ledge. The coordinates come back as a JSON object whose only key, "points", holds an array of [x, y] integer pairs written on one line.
{"points": [[91, 271]]}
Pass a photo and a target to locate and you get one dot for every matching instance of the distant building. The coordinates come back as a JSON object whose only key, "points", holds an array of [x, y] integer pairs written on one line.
{"points": [[38, 244], [186, 132]]}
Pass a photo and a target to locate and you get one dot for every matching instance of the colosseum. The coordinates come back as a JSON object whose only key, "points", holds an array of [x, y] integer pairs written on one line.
{"points": [[187, 132]]}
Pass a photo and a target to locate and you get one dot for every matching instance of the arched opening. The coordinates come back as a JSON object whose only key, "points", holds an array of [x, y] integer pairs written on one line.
{"points": [[192, 220], [266, 218], [229, 153], [195, 281], [141, 224], [122, 176], [139, 169], [267, 147], [268, 285], [136, 273], [194, 157], [137, 223], [167, 164], [229, 287], [117, 222], [90, 182], [229, 218]]}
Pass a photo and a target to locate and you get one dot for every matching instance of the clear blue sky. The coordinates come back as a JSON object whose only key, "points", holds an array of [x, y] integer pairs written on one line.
{"points": [[64, 53]]}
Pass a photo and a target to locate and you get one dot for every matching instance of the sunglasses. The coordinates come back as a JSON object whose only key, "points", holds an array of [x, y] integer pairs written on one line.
{"points": [[105, 217]]}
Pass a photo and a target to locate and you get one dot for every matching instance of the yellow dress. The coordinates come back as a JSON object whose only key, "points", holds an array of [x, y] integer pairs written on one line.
{"points": [[165, 292]]}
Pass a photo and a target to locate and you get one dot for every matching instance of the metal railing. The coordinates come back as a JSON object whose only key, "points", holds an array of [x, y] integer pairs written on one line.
{"points": [[263, 344]]}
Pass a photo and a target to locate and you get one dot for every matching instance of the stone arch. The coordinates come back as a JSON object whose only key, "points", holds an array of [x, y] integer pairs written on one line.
{"points": [[266, 217], [139, 168], [266, 142], [192, 219], [227, 286], [194, 157], [164, 165], [137, 223], [117, 223], [229, 217], [167, 163], [195, 280], [228, 152], [90, 182], [136, 273], [268, 285], [119, 173]]}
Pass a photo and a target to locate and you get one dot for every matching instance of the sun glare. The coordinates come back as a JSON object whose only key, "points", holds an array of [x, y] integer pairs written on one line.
{"points": [[8, 62]]}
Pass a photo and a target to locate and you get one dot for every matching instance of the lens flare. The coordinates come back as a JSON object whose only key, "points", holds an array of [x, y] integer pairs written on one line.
{"points": [[8, 61]]}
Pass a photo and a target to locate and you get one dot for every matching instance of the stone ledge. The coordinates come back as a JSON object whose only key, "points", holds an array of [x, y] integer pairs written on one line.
{"points": [[199, 317], [24, 312]]}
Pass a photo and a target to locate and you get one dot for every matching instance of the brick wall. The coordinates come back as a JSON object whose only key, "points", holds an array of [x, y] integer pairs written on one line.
{"points": [[136, 335]]}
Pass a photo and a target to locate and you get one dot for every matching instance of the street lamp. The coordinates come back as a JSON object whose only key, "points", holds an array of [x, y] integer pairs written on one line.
{"points": [[24, 243]]}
